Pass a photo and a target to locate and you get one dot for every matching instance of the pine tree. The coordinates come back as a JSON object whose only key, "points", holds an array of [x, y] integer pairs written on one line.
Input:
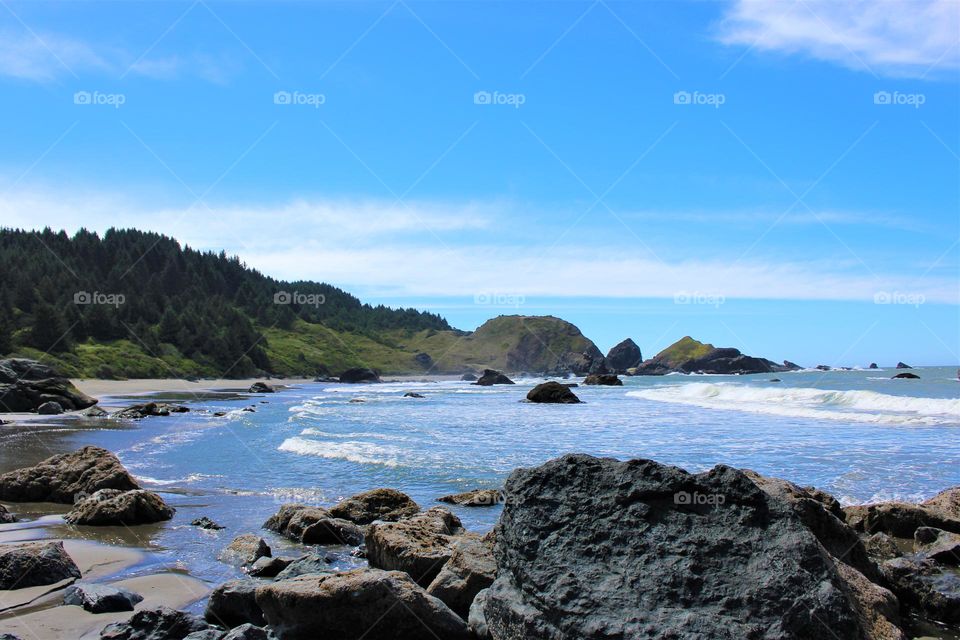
{"points": [[49, 331]]}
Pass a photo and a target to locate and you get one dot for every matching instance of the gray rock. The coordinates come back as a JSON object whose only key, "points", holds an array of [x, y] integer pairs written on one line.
{"points": [[332, 531], [593, 548], [419, 545], [234, 603], [359, 375], [362, 603], [35, 564], [206, 634], [623, 356], [938, 545], [477, 621], [899, 519], [110, 507], [470, 569], [552, 393], [245, 549], [924, 587], [379, 504], [5, 516], [50, 408], [310, 563], [881, 547], [94, 412], [474, 498], [313, 525], [946, 503], [206, 523], [261, 387], [101, 598], [26, 384], [269, 567], [160, 623], [64, 477], [246, 632]]}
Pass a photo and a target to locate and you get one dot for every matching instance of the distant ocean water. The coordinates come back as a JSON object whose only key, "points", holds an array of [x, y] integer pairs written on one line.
{"points": [[857, 434]]}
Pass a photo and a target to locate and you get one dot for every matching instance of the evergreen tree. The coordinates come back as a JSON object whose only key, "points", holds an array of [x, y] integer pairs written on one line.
{"points": [[49, 330]]}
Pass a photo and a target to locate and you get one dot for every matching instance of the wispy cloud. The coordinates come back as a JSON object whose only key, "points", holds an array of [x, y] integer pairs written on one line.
{"points": [[461, 249], [916, 38], [45, 57]]}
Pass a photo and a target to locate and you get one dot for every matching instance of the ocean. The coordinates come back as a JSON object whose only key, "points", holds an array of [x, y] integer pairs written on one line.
{"points": [[857, 434]]}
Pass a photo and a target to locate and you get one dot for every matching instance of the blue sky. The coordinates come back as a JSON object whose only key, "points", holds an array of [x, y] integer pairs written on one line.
{"points": [[755, 174]]}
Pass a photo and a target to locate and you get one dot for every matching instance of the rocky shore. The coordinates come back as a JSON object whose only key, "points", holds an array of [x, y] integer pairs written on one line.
{"points": [[585, 548]]}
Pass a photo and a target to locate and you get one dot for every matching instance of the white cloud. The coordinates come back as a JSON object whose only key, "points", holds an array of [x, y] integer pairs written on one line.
{"points": [[43, 57], [889, 37], [374, 247]]}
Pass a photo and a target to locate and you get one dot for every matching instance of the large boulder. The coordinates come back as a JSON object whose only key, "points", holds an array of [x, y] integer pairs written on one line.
{"points": [[419, 545], [470, 569], [101, 598], [160, 623], [313, 525], [925, 588], [938, 545], [66, 477], [359, 375], [474, 498], [603, 379], [378, 504], [594, 548], [553, 393], [261, 387], [491, 377], [35, 564], [362, 603], [50, 409], [25, 385], [234, 603], [111, 507], [625, 355], [823, 515], [946, 502], [310, 563]]}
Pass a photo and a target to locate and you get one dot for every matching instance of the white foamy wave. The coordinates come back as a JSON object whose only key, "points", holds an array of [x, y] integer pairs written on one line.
{"points": [[353, 451], [310, 431], [193, 477], [855, 406]]}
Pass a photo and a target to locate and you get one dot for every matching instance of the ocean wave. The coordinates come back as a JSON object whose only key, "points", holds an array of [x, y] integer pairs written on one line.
{"points": [[310, 431], [193, 477], [352, 451], [804, 402]]}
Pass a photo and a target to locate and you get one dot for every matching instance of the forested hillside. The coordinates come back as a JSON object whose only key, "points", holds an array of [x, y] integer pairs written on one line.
{"points": [[132, 304]]}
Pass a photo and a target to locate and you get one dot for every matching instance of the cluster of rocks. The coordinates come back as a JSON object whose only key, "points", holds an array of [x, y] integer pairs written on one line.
{"points": [[27, 385], [491, 377], [101, 490]]}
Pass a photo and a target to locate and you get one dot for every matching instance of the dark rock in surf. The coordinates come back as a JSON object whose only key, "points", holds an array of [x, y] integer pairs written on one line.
{"points": [[359, 376], [924, 588], [475, 498], [310, 563], [938, 545], [5, 516], [411, 394], [873, 365], [623, 356], [906, 376], [903, 365], [245, 550], [206, 523], [266, 567], [552, 393], [604, 379], [50, 409], [261, 387], [149, 409], [65, 477], [378, 504], [823, 367], [491, 377]]}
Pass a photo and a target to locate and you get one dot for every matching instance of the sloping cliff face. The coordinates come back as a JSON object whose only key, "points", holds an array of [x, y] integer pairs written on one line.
{"points": [[692, 356], [516, 343]]}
